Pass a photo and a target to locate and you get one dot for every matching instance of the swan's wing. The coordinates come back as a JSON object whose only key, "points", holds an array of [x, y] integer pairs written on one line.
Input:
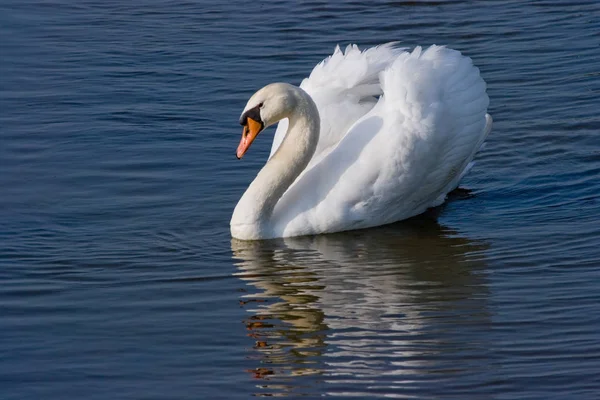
{"points": [[344, 86], [401, 157]]}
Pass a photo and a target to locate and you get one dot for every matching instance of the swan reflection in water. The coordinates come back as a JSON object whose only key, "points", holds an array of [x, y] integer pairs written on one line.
{"points": [[380, 309]]}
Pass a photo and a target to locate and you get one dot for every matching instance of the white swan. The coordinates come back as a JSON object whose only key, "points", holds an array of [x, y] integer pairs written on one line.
{"points": [[371, 138]]}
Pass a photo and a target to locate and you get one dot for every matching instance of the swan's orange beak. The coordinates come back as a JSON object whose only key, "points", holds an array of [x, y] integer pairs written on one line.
{"points": [[250, 131]]}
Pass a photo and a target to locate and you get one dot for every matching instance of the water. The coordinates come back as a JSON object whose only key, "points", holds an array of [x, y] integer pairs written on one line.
{"points": [[119, 279]]}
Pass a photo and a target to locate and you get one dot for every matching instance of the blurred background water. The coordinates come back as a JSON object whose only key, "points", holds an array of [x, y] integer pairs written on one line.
{"points": [[118, 276]]}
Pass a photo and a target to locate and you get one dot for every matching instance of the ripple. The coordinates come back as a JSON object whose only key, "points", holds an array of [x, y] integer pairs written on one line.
{"points": [[118, 181]]}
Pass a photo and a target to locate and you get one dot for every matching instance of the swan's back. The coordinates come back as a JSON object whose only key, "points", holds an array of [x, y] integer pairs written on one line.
{"points": [[400, 158], [344, 86]]}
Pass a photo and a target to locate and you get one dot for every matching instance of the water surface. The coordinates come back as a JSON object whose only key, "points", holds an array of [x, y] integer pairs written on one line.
{"points": [[119, 279]]}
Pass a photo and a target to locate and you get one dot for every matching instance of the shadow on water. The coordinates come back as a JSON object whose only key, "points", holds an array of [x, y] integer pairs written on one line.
{"points": [[331, 313]]}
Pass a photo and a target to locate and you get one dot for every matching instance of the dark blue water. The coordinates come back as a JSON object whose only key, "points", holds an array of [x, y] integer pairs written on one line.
{"points": [[118, 277]]}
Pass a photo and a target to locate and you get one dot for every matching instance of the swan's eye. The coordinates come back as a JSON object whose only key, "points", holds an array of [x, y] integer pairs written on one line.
{"points": [[260, 105]]}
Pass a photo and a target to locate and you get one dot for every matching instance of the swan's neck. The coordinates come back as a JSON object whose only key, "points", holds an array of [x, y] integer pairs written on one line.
{"points": [[252, 216]]}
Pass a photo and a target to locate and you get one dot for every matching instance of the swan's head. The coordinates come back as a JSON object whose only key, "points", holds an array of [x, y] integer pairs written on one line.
{"points": [[266, 107]]}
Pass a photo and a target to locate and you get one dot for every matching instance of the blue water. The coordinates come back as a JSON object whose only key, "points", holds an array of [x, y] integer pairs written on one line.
{"points": [[118, 276]]}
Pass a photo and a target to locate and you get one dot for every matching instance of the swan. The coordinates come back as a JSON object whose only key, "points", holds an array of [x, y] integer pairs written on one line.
{"points": [[369, 138]]}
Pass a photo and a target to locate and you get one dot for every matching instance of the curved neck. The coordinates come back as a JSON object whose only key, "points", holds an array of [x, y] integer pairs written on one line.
{"points": [[254, 210]]}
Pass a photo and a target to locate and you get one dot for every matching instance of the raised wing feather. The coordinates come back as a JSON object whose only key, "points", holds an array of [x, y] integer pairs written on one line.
{"points": [[345, 86], [443, 105], [402, 156]]}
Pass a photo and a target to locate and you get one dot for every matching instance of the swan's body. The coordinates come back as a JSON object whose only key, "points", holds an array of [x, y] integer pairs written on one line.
{"points": [[345, 159]]}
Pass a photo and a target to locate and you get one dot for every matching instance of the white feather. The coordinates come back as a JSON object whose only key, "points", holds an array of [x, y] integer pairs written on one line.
{"points": [[344, 86], [402, 156], [398, 130]]}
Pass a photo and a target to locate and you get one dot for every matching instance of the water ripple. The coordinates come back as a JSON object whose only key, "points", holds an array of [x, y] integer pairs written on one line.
{"points": [[118, 178]]}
